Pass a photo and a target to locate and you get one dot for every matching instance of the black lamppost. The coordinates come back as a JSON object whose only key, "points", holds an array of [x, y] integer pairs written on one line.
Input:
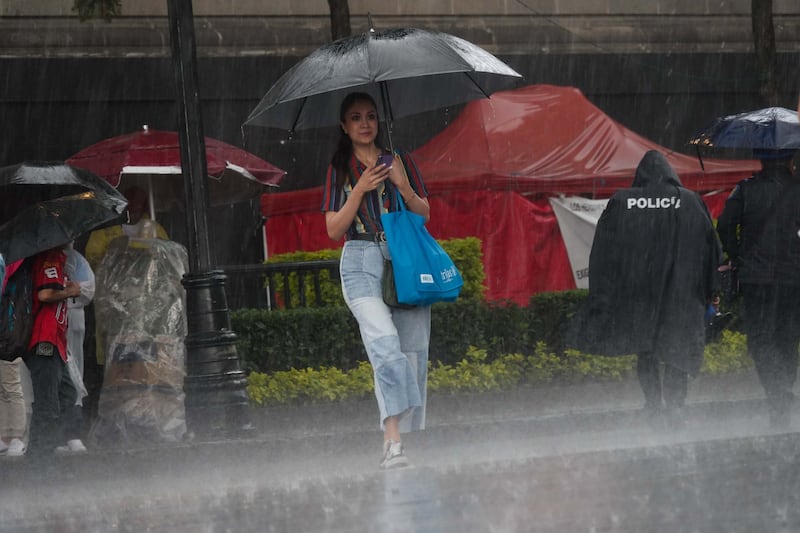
{"points": [[215, 386]]}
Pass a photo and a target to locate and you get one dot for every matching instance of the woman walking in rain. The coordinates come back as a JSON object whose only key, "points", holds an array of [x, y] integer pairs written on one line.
{"points": [[359, 187]]}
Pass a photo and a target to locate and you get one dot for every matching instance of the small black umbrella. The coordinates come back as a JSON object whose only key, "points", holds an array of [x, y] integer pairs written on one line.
{"points": [[771, 128], [45, 205], [408, 71]]}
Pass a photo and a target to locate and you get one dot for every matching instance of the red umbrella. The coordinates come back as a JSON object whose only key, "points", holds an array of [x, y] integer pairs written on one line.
{"points": [[150, 159]]}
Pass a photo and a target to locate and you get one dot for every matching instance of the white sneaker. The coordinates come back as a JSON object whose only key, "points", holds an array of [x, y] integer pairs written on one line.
{"points": [[73, 447], [16, 448], [393, 456]]}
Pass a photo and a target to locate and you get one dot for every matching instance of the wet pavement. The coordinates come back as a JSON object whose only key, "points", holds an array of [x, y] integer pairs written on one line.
{"points": [[568, 458]]}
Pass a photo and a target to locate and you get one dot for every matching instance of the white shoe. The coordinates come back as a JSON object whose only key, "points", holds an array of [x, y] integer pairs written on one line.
{"points": [[73, 447], [16, 448], [393, 456]]}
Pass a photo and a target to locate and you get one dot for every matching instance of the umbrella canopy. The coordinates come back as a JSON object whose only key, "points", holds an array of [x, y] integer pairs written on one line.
{"points": [[153, 157], [771, 128], [408, 71], [70, 202]]}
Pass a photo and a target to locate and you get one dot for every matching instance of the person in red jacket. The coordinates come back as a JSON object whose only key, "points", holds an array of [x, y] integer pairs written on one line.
{"points": [[56, 419]]}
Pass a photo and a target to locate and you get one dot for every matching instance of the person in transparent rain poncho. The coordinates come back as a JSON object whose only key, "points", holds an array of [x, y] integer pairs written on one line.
{"points": [[140, 304], [140, 225], [78, 270], [358, 188]]}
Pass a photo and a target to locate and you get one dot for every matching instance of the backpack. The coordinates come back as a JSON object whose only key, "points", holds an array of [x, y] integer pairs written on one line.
{"points": [[16, 313]]}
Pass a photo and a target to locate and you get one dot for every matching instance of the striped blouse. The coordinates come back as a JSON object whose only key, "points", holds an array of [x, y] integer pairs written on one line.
{"points": [[375, 203]]}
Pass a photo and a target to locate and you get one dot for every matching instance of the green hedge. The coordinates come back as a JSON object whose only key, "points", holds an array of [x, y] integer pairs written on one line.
{"points": [[465, 253], [477, 372], [297, 338], [277, 340], [273, 341], [315, 354]]}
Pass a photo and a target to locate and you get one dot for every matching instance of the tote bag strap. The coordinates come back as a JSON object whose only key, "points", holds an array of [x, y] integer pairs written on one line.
{"points": [[397, 201]]}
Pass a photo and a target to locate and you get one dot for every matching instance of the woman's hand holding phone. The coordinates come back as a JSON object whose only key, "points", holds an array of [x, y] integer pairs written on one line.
{"points": [[386, 160]]}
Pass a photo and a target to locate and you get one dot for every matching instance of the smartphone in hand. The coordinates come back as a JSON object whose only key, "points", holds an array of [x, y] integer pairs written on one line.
{"points": [[386, 159]]}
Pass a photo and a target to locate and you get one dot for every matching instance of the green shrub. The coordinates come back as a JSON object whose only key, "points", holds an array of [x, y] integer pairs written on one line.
{"points": [[270, 341], [330, 290], [475, 372], [729, 354], [308, 385], [550, 314], [465, 253], [297, 338], [282, 339]]}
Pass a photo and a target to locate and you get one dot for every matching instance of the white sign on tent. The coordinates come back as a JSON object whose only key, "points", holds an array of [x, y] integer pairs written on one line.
{"points": [[577, 219]]}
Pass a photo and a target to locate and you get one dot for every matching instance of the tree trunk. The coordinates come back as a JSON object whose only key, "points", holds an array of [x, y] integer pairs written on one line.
{"points": [[340, 18], [764, 43]]}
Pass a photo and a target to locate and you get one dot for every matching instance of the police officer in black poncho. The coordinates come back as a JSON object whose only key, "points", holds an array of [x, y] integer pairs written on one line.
{"points": [[651, 275], [759, 232]]}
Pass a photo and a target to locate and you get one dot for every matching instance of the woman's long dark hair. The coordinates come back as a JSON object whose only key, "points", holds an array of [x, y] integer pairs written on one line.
{"points": [[344, 150]]}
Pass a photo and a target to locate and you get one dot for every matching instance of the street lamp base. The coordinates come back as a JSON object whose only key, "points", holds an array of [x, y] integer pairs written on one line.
{"points": [[215, 386]]}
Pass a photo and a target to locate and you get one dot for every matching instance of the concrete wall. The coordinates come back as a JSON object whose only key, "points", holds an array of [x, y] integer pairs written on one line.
{"points": [[154, 8], [46, 28]]}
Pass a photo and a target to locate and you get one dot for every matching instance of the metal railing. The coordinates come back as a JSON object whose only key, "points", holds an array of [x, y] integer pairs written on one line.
{"points": [[253, 286]]}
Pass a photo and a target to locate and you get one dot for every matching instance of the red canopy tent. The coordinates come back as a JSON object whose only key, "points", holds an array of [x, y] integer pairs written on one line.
{"points": [[490, 174]]}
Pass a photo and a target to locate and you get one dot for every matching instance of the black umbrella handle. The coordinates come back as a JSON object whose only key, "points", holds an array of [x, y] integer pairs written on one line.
{"points": [[387, 112]]}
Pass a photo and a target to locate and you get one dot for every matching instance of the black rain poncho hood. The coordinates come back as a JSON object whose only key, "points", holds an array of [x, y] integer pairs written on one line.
{"points": [[651, 271]]}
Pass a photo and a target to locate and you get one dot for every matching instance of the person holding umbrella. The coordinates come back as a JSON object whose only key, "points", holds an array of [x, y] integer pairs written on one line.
{"points": [[48, 204], [758, 229], [409, 71], [359, 187], [56, 418]]}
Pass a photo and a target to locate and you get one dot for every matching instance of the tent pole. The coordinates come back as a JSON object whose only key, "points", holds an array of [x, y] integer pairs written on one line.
{"points": [[150, 199]]}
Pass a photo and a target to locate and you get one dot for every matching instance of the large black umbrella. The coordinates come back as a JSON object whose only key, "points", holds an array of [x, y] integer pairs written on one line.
{"points": [[407, 71], [45, 205], [771, 128]]}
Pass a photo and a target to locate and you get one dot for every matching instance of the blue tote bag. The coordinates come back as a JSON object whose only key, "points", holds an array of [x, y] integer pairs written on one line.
{"points": [[423, 272]]}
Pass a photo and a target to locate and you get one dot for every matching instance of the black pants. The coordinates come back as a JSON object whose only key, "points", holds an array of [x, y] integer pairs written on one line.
{"points": [[56, 419], [772, 324], [669, 391], [92, 371]]}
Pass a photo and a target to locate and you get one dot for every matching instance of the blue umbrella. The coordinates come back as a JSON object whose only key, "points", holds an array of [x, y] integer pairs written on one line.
{"points": [[772, 128]]}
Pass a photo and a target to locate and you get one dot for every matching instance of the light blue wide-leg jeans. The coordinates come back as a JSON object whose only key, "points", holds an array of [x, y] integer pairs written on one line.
{"points": [[396, 340]]}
